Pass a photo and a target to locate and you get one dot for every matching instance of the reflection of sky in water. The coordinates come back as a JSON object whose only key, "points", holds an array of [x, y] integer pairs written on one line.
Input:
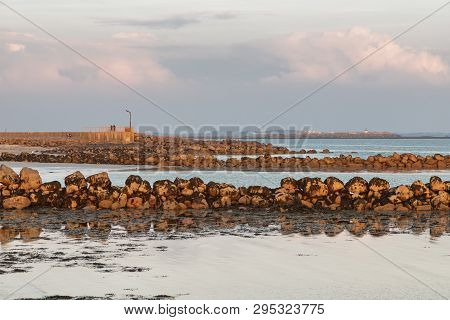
{"points": [[321, 257]]}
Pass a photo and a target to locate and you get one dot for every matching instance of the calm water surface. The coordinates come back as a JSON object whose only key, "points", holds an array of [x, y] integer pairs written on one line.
{"points": [[226, 255], [118, 174], [231, 254], [366, 147]]}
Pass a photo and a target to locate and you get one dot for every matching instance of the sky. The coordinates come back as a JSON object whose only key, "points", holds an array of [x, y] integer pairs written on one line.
{"points": [[212, 63]]}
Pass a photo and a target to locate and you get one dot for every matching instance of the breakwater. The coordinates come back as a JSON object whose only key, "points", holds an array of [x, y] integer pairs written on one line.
{"points": [[26, 190], [135, 156]]}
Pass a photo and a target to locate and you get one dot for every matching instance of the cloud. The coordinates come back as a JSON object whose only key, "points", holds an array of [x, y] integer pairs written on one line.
{"points": [[47, 65], [134, 36], [225, 15], [77, 73], [15, 47], [172, 22], [320, 56], [137, 70]]}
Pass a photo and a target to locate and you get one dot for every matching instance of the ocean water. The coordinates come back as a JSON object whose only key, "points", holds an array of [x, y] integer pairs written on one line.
{"points": [[350, 256], [118, 174], [251, 256], [366, 147]]}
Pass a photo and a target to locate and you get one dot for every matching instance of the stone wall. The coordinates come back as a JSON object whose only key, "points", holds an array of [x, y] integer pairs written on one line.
{"points": [[26, 189]]}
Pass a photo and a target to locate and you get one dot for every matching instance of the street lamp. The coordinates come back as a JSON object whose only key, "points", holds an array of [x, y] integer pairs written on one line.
{"points": [[130, 117]]}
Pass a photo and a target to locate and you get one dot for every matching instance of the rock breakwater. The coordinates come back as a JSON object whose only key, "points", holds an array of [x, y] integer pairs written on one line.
{"points": [[26, 189], [131, 156]]}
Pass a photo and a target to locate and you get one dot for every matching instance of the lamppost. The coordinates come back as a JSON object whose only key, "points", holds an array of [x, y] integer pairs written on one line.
{"points": [[130, 117]]}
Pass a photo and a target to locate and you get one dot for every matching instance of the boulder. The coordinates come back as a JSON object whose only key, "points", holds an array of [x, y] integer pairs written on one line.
{"points": [[283, 198], [289, 184], [75, 182], [18, 202], [378, 185], [334, 184], [145, 187], [442, 198], [436, 184], [133, 183], [419, 188], [165, 188], [30, 179], [50, 187], [212, 189], [99, 180], [403, 193], [135, 203], [245, 200], [318, 188], [8, 176], [356, 185], [197, 184], [259, 190]]}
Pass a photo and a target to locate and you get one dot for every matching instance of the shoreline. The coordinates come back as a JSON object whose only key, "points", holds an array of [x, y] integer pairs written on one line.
{"points": [[27, 190]]}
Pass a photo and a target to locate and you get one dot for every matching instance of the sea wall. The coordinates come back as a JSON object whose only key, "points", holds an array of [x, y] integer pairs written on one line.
{"points": [[26, 190], [57, 138]]}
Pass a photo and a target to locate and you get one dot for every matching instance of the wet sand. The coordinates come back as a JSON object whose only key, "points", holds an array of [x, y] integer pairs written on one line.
{"points": [[265, 257]]}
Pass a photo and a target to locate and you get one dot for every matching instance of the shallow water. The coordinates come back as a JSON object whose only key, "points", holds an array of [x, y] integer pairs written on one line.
{"points": [[367, 147], [226, 255], [118, 174], [229, 255]]}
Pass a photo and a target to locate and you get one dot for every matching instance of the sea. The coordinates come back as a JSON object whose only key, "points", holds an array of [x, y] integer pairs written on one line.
{"points": [[49, 254]]}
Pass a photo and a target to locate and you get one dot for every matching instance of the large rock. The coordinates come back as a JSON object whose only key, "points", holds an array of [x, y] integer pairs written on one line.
{"points": [[135, 203], [436, 184], [18, 202], [165, 188], [133, 183], [356, 185], [30, 179], [49, 187], [99, 180], [289, 184], [318, 188], [75, 182], [334, 184], [378, 185], [442, 198], [419, 188], [403, 193], [8, 176]]}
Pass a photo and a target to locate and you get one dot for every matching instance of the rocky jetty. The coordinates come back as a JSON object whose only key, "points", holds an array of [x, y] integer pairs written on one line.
{"points": [[26, 189], [133, 156]]}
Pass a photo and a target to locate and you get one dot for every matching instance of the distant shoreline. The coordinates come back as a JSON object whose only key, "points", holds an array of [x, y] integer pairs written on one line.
{"points": [[343, 138]]}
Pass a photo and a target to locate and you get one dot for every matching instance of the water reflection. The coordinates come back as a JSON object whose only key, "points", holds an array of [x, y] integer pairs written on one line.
{"points": [[29, 226]]}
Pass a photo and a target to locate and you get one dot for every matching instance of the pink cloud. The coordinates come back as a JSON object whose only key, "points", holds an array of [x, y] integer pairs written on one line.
{"points": [[134, 36], [312, 56], [47, 64], [15, 47]]}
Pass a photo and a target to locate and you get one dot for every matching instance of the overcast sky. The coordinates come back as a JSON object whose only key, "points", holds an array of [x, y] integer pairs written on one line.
{"points": [[210, 62]]}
